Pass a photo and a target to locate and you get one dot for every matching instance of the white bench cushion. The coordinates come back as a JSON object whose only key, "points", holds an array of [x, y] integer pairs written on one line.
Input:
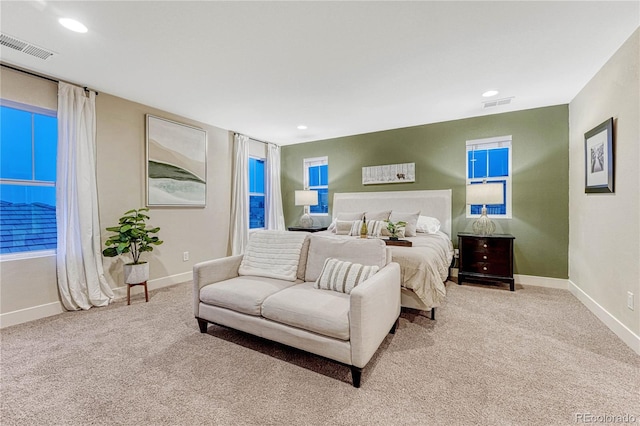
{"points": [[302, 306], [242, 294]]}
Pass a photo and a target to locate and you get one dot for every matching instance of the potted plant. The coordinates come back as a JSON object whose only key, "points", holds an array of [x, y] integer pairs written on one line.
{"points": [[132, 236], [395, 228]]}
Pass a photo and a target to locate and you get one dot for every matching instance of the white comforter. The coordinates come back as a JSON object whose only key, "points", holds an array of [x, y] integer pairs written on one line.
{"points": [[424, 266]]}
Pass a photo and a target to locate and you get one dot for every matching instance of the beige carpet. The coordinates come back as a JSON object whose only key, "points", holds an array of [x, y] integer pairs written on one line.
{"points": [[492, 357]]}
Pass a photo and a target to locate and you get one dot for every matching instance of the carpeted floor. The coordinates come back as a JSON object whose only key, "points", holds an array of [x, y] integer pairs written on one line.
{"points": [[493, 357]]}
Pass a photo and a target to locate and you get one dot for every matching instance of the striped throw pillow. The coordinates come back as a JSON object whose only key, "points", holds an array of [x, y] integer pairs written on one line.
{"points": [[374, 228], [343, 276]]}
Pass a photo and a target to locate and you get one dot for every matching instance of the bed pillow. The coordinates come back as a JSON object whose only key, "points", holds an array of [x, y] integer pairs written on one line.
{"points": [[410, 218], [343, 227], [379, 215], [344, 216], [343, 276], [428, 225], [374, 228]]}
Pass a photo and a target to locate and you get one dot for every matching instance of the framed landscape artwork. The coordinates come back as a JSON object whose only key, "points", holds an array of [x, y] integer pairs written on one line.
{"points": [[599, 164], [176, 164]]}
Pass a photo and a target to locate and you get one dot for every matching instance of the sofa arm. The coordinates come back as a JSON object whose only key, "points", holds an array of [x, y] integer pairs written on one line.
{"points": [[213, 271], [375, 307]]}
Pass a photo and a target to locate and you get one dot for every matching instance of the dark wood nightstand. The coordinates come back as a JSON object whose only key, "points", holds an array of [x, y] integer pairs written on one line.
{"points": [[312, 229], [486, 258]]}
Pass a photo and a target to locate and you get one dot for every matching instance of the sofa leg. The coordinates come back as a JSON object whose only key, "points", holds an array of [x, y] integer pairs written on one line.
{"points": [[203, 325], [433, 313], [395, 326], [356, 374]]}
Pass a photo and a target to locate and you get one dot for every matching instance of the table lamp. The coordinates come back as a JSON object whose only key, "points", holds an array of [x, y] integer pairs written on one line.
{"points": [[306, 198], [484, 193]]}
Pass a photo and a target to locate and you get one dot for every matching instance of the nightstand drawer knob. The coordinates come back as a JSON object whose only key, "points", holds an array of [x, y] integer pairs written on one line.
{"points": [[485, 268], [484, 257], [485, 246]]}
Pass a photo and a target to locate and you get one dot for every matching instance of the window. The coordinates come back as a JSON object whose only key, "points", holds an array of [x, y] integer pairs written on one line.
{"points": [[28, 144], [316, 177], [490, 160], [256, 192]]}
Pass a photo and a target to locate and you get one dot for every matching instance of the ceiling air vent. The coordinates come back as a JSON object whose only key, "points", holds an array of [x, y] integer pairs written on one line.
{"points": [[24, 47], [497, 102]]}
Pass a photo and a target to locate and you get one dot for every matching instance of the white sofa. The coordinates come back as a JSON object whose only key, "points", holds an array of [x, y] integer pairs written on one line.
{"points": [[347, 328]]}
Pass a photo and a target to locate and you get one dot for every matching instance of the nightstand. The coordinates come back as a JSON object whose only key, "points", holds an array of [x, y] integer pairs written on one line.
{"points": [[486, 258], [312, 229]]}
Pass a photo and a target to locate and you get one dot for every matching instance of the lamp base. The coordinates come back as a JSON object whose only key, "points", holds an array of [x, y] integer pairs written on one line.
{"points": [[306, 221], [483, 225]]}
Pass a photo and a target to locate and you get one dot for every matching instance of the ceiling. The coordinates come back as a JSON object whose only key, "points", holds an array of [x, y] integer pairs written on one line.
{"points": [[340, 68]]}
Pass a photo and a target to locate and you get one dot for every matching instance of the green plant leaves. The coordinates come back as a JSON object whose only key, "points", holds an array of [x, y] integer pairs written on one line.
{"points": [[131, 236]]}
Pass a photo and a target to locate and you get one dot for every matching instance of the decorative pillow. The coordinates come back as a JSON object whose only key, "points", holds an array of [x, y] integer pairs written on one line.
{"points": [[428, 225], [374, 227], [345, 217], [381, 215], [410, 218], [343, 276], [343, 227], [350, 216]]}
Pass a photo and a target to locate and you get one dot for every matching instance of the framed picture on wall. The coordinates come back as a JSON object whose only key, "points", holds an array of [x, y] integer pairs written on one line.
{"points": [[599, 164], [176, 164]]}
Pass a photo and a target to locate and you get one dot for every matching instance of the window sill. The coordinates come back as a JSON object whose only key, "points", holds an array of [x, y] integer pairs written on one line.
{"points": [[7, 257]]}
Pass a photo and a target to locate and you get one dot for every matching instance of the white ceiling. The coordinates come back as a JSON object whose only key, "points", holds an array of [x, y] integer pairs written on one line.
{"points": [[341, 68]]}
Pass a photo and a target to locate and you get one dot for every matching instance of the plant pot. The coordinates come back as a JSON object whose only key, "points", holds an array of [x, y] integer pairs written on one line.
{"points": [[393, 238], [136, 273]]}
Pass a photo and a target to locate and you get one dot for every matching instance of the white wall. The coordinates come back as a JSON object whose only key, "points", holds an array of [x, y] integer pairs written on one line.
{"points": [[604, 230]]}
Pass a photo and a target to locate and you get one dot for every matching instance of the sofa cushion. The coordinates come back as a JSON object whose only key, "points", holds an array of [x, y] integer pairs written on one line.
{"points": [[343, 276], [243, 294], [273, 254], [318, 311], [358, 250]]}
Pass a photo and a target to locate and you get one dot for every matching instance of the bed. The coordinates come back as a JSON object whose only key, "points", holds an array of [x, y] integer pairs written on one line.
{"points": [[425, 265]]}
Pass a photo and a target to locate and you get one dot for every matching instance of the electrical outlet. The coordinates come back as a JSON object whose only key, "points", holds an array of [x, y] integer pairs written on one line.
{"points": [[456, 253], [185, 256], [630, 300]]}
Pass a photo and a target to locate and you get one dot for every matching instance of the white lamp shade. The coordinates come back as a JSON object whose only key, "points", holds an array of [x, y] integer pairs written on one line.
{"points": [[485, 193], [306, 198]]}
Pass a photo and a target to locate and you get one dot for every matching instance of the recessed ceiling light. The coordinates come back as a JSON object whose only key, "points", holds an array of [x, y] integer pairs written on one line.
{"points": [[490, 93], [73, 25], [302, 127]]}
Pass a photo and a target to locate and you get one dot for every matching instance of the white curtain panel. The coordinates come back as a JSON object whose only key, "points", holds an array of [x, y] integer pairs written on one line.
{"points": [[79, 256], [274, 215], [240, 195]]}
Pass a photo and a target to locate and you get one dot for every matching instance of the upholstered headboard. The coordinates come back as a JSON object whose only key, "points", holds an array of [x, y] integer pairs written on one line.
{"points": [[434, 203]]}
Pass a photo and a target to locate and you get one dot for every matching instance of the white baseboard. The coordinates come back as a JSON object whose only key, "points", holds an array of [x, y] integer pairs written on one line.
{"points": [[30, 314], [548, 282], [37, 312], [121, 292], [622, 331]]}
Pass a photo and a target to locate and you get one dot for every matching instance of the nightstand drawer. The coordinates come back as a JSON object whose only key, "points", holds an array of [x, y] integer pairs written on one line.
{"points": [[486, 245], [489, 268]]}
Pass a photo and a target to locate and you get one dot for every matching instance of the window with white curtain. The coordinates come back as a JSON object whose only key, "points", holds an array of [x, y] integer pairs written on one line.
{"points": [[489, 160], [316, 177], [28, 145], [256, 192]]}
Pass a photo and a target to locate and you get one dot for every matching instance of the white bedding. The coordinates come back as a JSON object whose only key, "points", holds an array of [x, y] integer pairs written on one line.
{"points": [[424, 266]]}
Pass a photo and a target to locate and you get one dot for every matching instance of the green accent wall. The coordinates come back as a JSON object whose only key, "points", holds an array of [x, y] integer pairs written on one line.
{"points": [[540, 180]]}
